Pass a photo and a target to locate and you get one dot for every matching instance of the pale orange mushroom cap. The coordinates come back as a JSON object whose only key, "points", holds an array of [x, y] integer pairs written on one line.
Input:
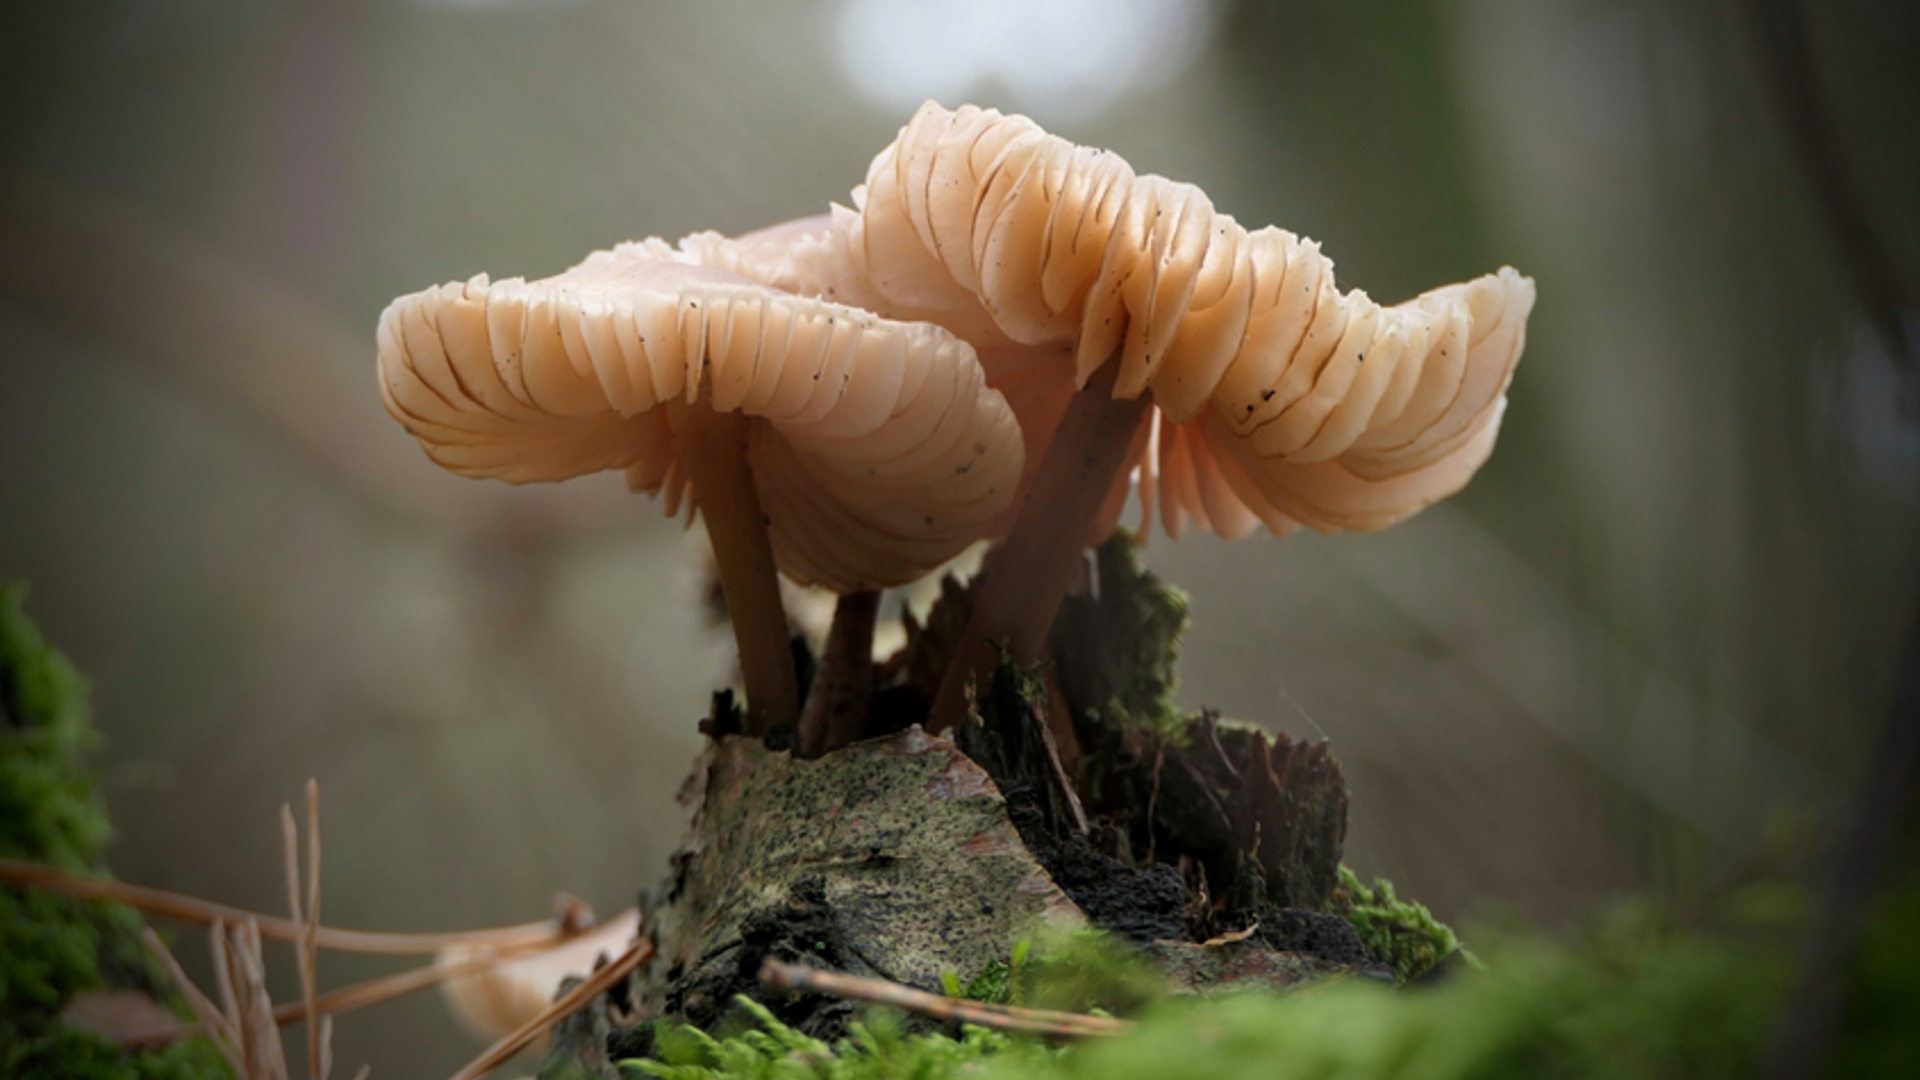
{"points": [[877, 450], [495, 994], [1278, 398]]}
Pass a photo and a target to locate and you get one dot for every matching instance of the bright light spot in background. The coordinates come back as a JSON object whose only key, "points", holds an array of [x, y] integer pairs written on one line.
{"points": [[1063, 59]]}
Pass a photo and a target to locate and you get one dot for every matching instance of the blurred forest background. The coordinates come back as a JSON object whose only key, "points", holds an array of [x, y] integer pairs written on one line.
{"points": [[1657, 630]]}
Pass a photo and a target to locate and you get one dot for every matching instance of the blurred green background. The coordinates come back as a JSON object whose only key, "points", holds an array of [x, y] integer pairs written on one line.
{"points": [[1657, 629]]}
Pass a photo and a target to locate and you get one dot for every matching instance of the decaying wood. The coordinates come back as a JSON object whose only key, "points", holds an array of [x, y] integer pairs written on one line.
{"points": [[1008, 734], [578, 1046], [1263, 813], [893, 858], [836, 709]]}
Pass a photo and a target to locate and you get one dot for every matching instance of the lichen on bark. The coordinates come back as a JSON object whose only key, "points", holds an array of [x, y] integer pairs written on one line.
{"points": [[892, 858]]}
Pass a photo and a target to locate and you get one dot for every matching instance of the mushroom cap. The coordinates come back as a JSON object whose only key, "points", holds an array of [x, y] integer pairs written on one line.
{"points": [[1279, 399], [492, 999], [877, 449], [766, 256]]}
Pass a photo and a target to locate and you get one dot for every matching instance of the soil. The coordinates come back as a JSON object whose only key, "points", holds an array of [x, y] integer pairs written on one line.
{"points": [[1141, 905]]}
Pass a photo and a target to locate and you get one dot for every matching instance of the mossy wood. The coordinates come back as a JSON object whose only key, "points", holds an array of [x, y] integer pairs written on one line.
{"points": [[1265, 815], [893, 858], [924, 860]]}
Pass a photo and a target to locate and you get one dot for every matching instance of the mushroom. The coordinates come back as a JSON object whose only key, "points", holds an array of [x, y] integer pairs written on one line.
{"points": [[848, 450], [1139, 333], [493, 993]]}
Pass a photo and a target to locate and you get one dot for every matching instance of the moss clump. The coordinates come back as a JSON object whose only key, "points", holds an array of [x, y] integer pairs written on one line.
{"points": [[876, 1049], [1073, 971], [52, 947], [1403, 934], [1637, 995], [998, 983], [1633, 1001], [1089, 971], [62, 1053], [1119, 649]]}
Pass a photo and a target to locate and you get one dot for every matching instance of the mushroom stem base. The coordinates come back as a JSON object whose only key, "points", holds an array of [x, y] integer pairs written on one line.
{"points": [[1026, 576], [714, 454]]}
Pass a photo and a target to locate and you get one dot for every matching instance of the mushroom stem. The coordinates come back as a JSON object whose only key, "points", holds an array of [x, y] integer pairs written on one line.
{"points": [[1027, 575], [836, 711], [714, 455]]}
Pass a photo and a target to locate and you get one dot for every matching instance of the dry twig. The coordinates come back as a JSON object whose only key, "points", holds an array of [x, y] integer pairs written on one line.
{"points": [[192, 909], [1060, 1025], [348, 998], [242, 1026], [569, 1003], [306, 951], [245, 1026], [212, 1020]]}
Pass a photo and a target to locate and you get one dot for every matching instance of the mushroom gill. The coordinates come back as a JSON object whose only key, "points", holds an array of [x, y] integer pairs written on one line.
{"points": [[1296, 403], [846, 449], [1235, 381]]}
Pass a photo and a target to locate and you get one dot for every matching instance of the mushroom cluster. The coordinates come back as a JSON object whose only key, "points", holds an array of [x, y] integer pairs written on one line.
{"points": [[845, 449], [1014, 333], [1141, 335]]}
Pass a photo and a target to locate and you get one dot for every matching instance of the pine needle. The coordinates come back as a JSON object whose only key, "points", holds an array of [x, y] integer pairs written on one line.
{"points": [[568, 1004], [206, 912], [1062, 1025]]}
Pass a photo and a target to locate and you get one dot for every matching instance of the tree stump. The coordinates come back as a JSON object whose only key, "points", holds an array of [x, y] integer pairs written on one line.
{"points": [[892, 858]]}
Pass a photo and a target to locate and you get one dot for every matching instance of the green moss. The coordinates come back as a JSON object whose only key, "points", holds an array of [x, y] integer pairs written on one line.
{"points": [[876, 1049], [998, 983], [1622, 1005], [1147, 618], [1089, 971], [1119, 651], [1883, 990], [47, 806], [61, 1053], [1081, 970], [1636, 996], [52, 947], [1402, 933]]}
